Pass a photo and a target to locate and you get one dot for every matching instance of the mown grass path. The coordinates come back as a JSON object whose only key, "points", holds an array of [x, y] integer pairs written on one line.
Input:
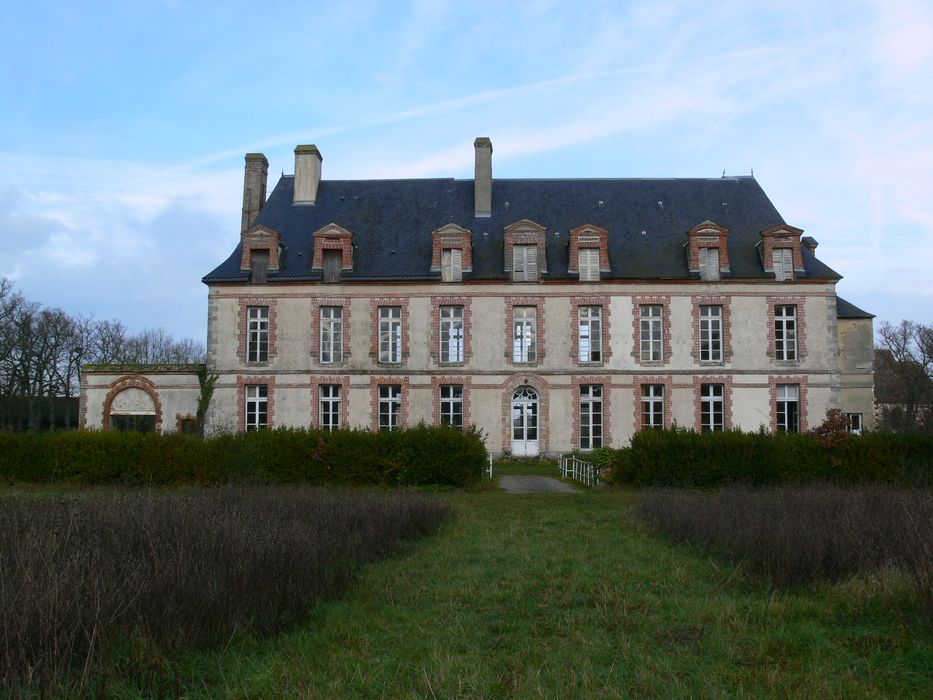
{"points": [[564, 596]]}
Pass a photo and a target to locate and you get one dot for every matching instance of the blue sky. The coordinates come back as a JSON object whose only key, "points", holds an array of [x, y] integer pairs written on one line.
{"points": [[124, 125]]}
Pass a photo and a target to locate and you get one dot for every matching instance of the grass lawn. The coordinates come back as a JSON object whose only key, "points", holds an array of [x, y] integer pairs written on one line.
{"points": [[565, 596]]}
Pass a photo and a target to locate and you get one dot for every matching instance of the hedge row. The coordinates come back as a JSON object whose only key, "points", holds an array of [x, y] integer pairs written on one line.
{"points": [[687, 459], [418, 456]]}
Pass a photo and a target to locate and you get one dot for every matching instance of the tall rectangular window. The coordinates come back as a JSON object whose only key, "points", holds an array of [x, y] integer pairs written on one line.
{"points": [[651, 333], [709, 264], [710, 334], [524, 263], [451, 265], [652, 406], [588, 264], [257, 334], [331, 334], [788, 408], [452, 405], [591, 416], [590, 337], [783, 264], [330, 406], [712, 408], [390, 406], [257, 405], [451, 332], [785, 333], [390, 334], [524, 333]]}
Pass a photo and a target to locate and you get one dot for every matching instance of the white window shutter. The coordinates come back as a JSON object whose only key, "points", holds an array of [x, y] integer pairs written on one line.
{"points": [[701, 265], [712, 263], [531, 263], [456, 265], [588, 262]]}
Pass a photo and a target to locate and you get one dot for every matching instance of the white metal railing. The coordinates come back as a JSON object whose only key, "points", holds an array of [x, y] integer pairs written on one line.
{"points": [[489, 468], [572, 467]]}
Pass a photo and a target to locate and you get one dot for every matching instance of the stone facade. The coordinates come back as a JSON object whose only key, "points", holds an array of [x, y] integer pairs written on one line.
{"points": [[565, 396]]}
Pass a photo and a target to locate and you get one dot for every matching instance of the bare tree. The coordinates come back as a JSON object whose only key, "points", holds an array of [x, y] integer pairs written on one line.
{"points": [[904, 376]]}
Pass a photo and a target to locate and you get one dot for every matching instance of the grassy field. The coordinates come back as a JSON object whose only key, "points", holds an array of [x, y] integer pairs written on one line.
{"points": [[566, 595]]}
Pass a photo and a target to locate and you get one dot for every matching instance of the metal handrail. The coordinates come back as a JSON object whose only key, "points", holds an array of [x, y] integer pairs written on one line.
{"points": [[572, 467]]}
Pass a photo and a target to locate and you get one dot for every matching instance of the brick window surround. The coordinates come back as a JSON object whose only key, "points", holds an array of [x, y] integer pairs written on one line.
{"points": [[436, 304], [510, 304], [576, 382], [436, 384], [244, 304], [801, 329], [343, 381], [260, 238], [340, 302], [333, 237], [781, 236], [664, 301], [452, 237], [525, 232], [667, 382], [374, 304], [132, 381], [725, 302], [698, 382], [801, 382], [242, 381], [589, 236], [541, 388], [601, 300], [375, 383], [708, 234]]}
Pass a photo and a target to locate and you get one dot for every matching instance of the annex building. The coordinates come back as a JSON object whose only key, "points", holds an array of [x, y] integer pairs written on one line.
{"points": [[554, 314]]}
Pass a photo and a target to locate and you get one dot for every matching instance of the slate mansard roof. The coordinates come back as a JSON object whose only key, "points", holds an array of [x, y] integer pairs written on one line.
{"points": [[392, 222]]}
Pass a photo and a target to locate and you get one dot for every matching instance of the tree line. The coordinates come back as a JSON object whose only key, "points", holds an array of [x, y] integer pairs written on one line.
{"points": [[42, 350]]}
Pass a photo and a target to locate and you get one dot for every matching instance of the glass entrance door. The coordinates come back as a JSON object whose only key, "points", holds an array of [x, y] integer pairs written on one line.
{"points": [[525, 422]]}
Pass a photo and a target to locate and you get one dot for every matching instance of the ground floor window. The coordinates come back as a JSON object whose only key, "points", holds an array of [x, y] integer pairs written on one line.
{"points": [[137, 423], [330, 406], [591, 416], [712, 411], [788, 408], [652, 406], [855, 423], [390, 406], [257, 404], [452, 405]]}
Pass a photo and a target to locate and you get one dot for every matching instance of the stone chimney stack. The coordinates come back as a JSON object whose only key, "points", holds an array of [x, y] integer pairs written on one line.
{"points": [[307, 174], [482, 181], [254, 188]]}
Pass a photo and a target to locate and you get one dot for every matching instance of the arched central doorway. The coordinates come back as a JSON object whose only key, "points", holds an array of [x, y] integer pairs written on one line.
{"points": [[525, 422]]}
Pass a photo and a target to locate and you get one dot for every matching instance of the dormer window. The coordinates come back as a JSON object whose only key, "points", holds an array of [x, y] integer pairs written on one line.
{"points": [[452, 265], [260, 253], [708, 250], [452, 252], [780, 252], [524, 251], [783, 262], [333, 251], [709, 264], [589, 252], [333, 263]]}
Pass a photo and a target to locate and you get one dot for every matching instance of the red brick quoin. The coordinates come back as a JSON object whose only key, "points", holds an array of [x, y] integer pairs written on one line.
{"points": [[132, 381]]}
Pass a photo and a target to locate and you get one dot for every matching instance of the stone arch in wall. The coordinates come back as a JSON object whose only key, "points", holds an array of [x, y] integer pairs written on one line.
{"points": [[509, 388], [139, 384]]}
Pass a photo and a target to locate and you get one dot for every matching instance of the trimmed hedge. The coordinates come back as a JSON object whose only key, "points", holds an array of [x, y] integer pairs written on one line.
{"points": [[684, 458], [418, 456]]}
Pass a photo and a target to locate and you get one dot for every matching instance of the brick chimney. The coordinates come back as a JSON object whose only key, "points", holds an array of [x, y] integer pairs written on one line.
{"points": [[254, 188], [307, 174], [482, 182]]}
